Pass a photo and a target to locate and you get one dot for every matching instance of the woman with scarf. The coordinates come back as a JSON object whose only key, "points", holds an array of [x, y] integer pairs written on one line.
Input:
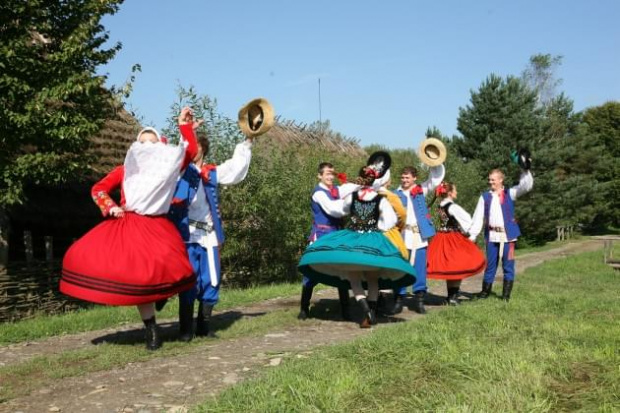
{"points": [[137, 256]]}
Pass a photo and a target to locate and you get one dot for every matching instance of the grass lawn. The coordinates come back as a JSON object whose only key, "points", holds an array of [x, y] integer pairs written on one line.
{"points": [[554, 347], [100, 317]]}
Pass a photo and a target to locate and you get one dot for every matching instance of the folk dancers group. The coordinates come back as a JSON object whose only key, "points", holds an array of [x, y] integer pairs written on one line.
{"points": [[164, 237], [367, 254]]}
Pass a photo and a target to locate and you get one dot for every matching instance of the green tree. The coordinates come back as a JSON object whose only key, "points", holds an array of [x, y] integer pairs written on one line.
{"points": [[603, 126], [501, 117], [51, 99]]}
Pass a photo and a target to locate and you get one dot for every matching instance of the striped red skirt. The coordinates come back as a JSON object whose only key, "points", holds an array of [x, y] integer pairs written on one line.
{"points": [[131, 260]]}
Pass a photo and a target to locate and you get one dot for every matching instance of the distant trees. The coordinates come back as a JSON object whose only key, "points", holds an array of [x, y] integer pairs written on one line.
{"points": [[575, 155]]}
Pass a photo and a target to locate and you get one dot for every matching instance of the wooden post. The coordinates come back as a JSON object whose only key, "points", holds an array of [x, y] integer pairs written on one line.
{"points": [[4, 240], [49, 248], [28, 247]]}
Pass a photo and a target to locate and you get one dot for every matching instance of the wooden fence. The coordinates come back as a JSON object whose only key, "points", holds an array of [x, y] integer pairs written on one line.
{"points": [[30, 287]]}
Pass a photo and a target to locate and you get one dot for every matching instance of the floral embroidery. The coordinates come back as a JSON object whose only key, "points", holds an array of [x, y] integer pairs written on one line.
{"points": [[104, 202]]}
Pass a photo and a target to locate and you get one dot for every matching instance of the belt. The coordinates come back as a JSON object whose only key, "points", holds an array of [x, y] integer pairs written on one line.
{"points": [[413, 228], [497, 229], [205, 226]]}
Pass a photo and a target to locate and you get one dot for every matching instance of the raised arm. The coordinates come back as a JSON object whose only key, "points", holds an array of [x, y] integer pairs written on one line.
{"points": [[436, 175], [236, 168], [100, 192], [526, 182], [187, 127]]}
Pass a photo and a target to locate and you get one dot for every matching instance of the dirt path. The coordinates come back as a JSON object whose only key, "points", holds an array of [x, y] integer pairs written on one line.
{"points": [[171, 384]]}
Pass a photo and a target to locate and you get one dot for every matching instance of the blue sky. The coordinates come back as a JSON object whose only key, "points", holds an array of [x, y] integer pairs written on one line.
{"points": [[388, 69]]}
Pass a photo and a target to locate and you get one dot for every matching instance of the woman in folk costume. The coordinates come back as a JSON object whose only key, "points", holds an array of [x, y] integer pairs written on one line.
{"points": [[451, 255], [370, 251], [137, 257]]}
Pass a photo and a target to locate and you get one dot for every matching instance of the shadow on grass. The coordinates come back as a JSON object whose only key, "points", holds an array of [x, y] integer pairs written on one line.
{"points": [[170, 331]]}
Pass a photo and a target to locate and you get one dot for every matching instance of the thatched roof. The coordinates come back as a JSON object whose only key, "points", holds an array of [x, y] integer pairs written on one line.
{"points": [[289, 132], [109, 146]]}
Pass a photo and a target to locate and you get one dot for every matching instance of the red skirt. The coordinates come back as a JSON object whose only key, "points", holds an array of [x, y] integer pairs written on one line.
{"points": [[451, 256], [126, 261]]}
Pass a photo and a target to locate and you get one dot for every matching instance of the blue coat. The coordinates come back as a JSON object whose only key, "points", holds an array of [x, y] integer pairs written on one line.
{"points": [[420, 210], [184, 194]]}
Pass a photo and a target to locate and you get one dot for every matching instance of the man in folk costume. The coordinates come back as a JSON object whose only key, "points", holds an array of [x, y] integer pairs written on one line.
{"points": [[195, 210], [495, 210], [327, 214], [419, 227]]}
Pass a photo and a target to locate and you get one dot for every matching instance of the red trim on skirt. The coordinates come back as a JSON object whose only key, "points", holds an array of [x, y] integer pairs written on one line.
{"points": [[127, 261]]}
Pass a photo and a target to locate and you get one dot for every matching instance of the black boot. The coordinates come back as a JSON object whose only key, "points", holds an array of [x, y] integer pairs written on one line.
{"points": [[398, 304], [373, 305], [203, 320], [153, 341], [507, 290], [418, 302], [306, 295], [343, 296], [453, 294], [186, 321], [159, 305], [367, 314], [486, 290]]}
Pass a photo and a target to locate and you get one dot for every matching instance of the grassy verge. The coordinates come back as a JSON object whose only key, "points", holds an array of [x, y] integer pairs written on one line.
{"points": [[100, 317], [21, 379], [554, 347]]}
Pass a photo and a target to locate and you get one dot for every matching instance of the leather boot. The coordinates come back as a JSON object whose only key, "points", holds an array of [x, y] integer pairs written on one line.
{"points": [[418, 302], [186, 321], [507, 290], [398, 304], [159, 305], [343, 296], [203, 320], [373, 305], [367, 320], [152, 338], [453, 293], [486, 290], [306, 295]]}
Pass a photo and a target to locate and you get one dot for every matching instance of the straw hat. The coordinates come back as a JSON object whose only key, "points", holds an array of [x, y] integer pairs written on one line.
{"points": [[256, 117], [432, 152]]}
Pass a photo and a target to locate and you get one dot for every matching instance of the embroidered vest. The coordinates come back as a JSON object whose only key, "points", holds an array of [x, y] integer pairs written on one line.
{"points": [[364, 214], [508, 212], [186, 191], [448, 222], [422, 215], [322, 223]]}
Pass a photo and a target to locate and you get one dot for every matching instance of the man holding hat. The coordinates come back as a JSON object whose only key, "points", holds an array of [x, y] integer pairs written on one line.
{"points": [[419, 227], [195, 211], [495, 209]]}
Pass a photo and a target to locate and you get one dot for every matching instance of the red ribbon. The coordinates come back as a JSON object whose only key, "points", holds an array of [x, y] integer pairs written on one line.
{"points": [[204, 171], [416, 190]]}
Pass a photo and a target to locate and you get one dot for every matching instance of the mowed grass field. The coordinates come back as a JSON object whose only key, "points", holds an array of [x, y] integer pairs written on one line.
{"points": [[554, 347]]}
